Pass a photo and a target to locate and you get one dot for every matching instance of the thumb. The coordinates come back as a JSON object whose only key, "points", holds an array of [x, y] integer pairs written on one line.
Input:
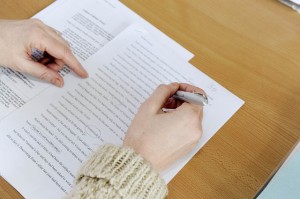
{"points": [[160, 96]]}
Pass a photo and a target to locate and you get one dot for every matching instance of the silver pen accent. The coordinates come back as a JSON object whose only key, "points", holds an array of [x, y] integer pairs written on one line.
{"points": [[192, 97]]}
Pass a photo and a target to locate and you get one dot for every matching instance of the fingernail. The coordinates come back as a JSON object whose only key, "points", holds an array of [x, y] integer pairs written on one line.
{"points": [[85, 73], [175, 84], [57, 82], [82, 72]]}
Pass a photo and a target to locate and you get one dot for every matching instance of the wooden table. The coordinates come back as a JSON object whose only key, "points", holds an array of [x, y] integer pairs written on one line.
{"points": [[252, 47]]}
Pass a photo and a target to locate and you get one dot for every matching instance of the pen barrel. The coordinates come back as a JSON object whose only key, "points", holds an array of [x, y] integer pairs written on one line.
{"points": [[193, 98]]}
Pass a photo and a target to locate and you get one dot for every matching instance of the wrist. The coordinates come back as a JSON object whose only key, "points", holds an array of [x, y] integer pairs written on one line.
{"points": [[125, 171]]}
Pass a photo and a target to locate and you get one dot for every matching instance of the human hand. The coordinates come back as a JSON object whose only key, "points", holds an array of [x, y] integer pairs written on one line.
{"points": [[18, 38], [164, 137]]}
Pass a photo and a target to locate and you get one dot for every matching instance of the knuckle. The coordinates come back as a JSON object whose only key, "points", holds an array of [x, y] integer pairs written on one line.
{"points": [[43, 76], [65, 52], [163, 87], [38, 34], [36, 28], [36, 22], [66, 43], [196, 135], [67, 49]]}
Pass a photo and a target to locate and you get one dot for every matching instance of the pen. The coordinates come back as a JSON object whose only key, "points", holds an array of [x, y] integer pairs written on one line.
{"points": [[196, 98]]}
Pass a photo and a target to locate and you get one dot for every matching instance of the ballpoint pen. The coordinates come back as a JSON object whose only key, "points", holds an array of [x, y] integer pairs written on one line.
{"points": [[192, 97]]}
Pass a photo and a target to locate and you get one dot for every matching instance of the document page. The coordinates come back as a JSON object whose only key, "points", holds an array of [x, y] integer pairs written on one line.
{"points": [[285, 181], [54, 133], [117, 15], [87, 25], [296, 1]]}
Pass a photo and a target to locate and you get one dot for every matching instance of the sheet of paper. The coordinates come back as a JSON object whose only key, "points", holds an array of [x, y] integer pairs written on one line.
{"points": [[88, 26], [120, 17], [285, 182], [296, 1], [51, 142]]}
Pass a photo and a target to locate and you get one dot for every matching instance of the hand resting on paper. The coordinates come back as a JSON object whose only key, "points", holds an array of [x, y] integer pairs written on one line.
{"points": [[18, 38], [162, 138]]}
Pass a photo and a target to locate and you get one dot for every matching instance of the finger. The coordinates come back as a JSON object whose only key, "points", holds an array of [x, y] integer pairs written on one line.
{"points": [[40, 71], [190, 110], [160, 96], [60, 64], [54, 66], [62, 52], [172, 103], [44, 60], [191, 88]]}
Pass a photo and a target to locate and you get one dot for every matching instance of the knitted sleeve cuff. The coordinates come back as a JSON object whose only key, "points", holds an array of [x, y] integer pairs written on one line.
{"points": [[128, 173]]}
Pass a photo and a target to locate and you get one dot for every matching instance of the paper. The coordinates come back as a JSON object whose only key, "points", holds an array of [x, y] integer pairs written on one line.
{"points": [[117, 16], [88, 26], [296, 1], [67, 124], [285, 183]]}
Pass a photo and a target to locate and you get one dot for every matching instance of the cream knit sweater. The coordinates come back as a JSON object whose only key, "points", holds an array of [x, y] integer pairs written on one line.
{"points": [[117, 172]]}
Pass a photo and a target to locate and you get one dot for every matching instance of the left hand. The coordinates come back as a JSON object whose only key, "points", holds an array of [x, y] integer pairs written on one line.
{"points": [[18, 38]]}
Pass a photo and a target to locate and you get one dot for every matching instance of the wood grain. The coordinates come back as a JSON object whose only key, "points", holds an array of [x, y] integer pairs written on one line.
{"points": [[252, 48]]}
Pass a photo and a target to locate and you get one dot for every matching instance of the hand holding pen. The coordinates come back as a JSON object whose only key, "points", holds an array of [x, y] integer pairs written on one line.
{"points": [[160, 137], [186, 93]]}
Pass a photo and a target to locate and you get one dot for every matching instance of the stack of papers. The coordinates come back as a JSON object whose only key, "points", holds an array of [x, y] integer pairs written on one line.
{"points": [[46, 133]]}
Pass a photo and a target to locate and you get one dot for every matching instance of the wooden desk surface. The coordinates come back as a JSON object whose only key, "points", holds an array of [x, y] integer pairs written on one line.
{"points": [[252, 48]]}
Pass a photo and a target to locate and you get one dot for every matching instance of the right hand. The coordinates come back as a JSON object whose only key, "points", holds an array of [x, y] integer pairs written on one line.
{"points": [[160, 137]]}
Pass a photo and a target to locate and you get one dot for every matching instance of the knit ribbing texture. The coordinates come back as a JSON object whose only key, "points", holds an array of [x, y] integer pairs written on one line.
{"points": [[117, 172]]}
